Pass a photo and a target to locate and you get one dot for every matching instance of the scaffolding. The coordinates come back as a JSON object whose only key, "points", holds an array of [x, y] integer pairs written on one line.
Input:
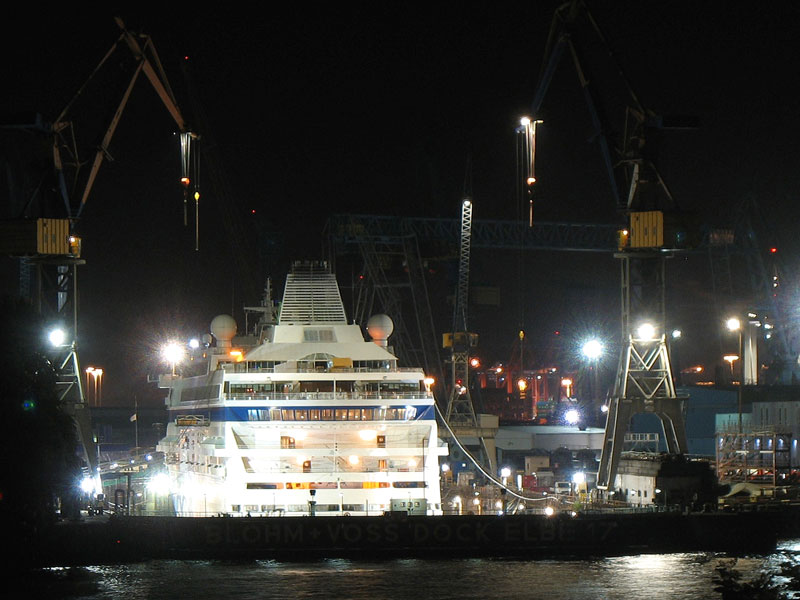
{"points": [[761, 456]]}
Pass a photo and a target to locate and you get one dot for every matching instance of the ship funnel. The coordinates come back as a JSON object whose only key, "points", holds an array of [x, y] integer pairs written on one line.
{"points": [[223, 328], [379, 328]]}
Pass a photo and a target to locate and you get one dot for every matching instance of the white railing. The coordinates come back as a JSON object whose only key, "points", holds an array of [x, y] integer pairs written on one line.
{"points": [[372, 396], [243, 368]]}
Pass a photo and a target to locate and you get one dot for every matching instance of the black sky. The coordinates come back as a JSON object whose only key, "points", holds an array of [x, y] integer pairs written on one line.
{"points": [[375, 109]]}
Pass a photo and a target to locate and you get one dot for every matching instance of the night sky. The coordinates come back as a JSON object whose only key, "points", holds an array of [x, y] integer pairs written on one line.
{"points": [[378, 109]]}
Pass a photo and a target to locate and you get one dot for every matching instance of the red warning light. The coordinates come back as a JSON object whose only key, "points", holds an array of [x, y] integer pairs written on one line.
{"points": [[185, 181], [252, 211], [773, 250]]}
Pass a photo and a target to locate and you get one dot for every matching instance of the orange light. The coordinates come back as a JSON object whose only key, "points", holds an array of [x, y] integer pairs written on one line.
{"points": [[474, 363], [185, 181], [531, 180], [237, 354]]}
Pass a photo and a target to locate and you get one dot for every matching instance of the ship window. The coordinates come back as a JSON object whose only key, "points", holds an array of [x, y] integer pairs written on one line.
{"points": [[287, 414], [367, 414], [307, 466], [381, 440], [354, 414], [204, 392], [382, 465], [303, 485], [323, 485], [327, 414], [341, 414], [316, 386], [287, 441], [251, 388], [258, 415], [314, 414], [274, 414], [301, 415], [236, 508]]}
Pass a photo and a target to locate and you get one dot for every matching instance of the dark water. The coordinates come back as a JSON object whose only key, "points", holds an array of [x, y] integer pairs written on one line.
{"points": [[673, 576]]}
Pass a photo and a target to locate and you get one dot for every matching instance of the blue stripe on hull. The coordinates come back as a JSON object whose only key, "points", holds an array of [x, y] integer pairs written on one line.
{"points": [[241, 413]]}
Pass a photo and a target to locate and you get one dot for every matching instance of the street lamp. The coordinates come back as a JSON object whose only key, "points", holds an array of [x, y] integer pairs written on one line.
{"points": [[730, 359], [566, 383], [572, 416], [578, 480], [733, 324], [593, 350], [505, 473]]}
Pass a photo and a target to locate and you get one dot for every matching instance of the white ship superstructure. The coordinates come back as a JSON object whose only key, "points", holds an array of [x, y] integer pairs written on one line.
{"points": [[309, 416]]}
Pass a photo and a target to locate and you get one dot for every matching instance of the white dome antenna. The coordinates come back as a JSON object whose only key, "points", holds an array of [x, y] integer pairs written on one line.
{"points": [[223, 328], [380, 327]]}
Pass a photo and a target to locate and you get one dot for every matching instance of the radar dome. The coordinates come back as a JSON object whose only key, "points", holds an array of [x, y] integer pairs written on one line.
{"points": [[223, 328], [380, 327]]}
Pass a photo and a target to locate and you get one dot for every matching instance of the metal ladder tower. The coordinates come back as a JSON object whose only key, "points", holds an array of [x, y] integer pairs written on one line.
{"points": [[460, 416], [644, 382]]}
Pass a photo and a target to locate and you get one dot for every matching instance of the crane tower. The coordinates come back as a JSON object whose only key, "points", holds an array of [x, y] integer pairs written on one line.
{"points": [[460, 415], [644, 379], [43, 234]]}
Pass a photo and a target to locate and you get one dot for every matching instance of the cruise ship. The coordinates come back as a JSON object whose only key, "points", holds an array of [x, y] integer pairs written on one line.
{"points": [[303, 415]]}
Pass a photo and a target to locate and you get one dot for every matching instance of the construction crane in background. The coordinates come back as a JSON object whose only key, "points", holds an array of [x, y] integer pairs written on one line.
{"points": [[462, 421], [44, 232], [644, 380], [460, 341]]}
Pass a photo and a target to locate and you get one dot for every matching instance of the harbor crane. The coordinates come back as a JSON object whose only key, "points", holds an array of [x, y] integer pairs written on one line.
{"points": [[44, 232], [644, 380]]}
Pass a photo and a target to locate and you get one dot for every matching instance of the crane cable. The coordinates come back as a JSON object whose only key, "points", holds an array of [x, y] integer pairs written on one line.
{"points": [[474, 461]]}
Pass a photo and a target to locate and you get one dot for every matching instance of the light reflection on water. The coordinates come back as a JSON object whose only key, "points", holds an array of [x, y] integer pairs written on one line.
{"points": [[674, 576]]}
